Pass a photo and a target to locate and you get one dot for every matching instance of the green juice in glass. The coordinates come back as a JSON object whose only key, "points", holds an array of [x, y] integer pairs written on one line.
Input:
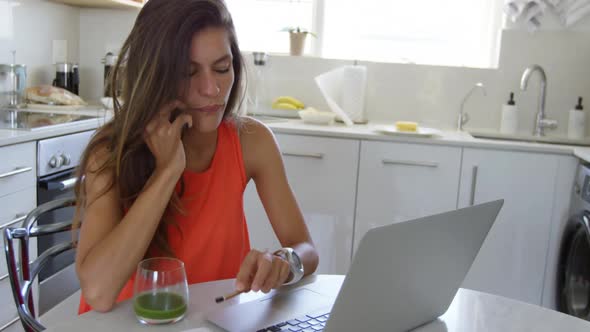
{"points": [[159, 307]]}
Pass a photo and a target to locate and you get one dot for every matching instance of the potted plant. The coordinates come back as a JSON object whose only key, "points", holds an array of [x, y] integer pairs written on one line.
{"points": [[297, 36]]}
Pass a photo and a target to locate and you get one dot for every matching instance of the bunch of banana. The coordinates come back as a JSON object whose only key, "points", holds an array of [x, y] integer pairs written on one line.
{"points": [[287, 103]]}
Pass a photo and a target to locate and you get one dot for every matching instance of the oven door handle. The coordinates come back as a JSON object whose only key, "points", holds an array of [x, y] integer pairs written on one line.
{"points": [[60, 185]]}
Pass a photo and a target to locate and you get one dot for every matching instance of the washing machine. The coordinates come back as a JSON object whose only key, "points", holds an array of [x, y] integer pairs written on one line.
{"points": [[573, 279]]}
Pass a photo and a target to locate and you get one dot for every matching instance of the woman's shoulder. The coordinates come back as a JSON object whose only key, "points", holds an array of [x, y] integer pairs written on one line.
{"points": [[97, 170], [97, 158], [258, 144], [253, 132]]}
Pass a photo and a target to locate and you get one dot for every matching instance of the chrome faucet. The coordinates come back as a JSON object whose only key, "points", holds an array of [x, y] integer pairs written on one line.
{"points": [[540, 121], [464, 117]]}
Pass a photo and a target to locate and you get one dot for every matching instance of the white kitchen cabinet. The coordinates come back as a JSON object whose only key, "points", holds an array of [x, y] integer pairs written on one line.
{"points": [[322, 173], [115, 4], [512, 259], [18, 196], [14, 325], [18, 167], [13, 209], [399, 181], [8, 309]]}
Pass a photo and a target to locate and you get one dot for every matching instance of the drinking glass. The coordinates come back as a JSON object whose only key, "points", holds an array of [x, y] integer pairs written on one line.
{"points": [[160, 291]]}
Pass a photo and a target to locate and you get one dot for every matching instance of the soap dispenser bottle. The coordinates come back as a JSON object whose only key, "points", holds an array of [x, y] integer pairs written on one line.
{"points": [[577, 122], [509, 122]]}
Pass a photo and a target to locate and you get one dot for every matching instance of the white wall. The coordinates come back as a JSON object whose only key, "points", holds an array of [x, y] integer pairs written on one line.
{"points": [[101, 31], [29, 27]]}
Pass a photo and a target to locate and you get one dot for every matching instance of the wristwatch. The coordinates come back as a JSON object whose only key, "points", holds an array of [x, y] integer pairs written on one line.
{"points": [[294, 261]]}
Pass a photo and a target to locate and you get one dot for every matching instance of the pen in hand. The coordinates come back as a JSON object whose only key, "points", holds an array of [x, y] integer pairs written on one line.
{"points": [[228, 296]]}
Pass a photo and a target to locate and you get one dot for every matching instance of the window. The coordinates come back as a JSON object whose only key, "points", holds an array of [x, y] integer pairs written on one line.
{"points": [[453, 33], [259, 23]]}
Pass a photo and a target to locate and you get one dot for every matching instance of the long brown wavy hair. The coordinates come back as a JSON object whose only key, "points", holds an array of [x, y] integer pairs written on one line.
{"points": [[153, 65]]}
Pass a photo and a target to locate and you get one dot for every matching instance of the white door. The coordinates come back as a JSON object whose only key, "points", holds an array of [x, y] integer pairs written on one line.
{"points": [[512, 259], [399, 181], [322, 173]]}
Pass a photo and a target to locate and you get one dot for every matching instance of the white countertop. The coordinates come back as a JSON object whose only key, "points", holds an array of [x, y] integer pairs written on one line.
{"points": [[469, 311], [14, 136], [583, 154], [293, 126], [449, 138]]}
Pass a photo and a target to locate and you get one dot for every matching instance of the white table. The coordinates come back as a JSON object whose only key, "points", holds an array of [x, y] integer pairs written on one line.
{"points": [[470, 311]]}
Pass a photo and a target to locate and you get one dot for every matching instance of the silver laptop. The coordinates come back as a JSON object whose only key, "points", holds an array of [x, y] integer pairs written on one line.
{"points": [[403, 276]]}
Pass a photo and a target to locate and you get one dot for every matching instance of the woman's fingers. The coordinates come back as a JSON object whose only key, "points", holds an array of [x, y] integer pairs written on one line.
{"points": [[264, 267], [261, 271], [166, 109], [285, 271], [179, 123], [273, 277], [247, 269]]}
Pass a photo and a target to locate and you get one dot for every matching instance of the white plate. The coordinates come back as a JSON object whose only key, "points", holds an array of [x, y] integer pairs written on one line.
{"points": [[421, 131]]}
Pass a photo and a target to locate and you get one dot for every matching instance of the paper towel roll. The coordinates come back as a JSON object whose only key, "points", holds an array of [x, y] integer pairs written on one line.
{"points": [[354, 81], [344, 91]]}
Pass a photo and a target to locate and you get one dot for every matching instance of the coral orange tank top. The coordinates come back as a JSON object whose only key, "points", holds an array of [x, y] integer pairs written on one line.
{"points": [[212, 237]]}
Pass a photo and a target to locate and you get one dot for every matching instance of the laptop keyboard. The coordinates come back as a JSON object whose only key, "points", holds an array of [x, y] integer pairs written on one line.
{"points": [[308, 323]]}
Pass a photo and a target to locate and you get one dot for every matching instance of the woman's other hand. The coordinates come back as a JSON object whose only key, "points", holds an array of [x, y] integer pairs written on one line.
{"points": [[262, 271], [164, 137]]}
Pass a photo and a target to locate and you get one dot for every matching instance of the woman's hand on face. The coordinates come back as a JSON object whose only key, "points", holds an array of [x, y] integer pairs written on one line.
{"points": [[164, 137], [262, 271]]}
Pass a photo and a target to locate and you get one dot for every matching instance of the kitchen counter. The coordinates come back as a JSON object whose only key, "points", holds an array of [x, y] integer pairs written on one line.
{"points": [[294, 126], [448, 138], [14, 136]]}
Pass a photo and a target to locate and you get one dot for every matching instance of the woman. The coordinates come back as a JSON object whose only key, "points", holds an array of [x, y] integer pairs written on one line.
{"points": [[166, 176]]}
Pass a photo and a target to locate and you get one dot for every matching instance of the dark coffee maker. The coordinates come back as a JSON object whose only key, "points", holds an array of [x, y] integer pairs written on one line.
{"points": [[67, 77]]}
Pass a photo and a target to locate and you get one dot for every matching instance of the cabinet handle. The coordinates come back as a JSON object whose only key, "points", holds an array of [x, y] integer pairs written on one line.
{"points": [[410, 163], [60, 185], [18, 170], [304, 155], [473, 185], [21, 218], [7, 325]]}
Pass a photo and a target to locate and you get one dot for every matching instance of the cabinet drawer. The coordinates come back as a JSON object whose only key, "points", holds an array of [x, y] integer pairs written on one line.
{"points": [[18, 167], [13, 325], [322, 174], [12, 208], [324, 167], [7, 306], [399, 182]]}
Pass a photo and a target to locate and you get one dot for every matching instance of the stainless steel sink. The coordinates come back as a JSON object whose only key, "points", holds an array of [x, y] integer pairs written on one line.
{"points": [[529, 138]]}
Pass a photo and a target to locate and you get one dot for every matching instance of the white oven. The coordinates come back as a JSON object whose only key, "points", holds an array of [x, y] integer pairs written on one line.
{"points": [[57, 159]]}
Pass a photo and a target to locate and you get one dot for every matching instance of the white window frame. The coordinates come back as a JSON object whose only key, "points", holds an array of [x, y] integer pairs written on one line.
{"points": [[494, 34]]}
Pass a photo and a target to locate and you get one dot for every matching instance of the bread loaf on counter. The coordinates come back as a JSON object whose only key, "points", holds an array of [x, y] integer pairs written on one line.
{"points": [[51, 95]]}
